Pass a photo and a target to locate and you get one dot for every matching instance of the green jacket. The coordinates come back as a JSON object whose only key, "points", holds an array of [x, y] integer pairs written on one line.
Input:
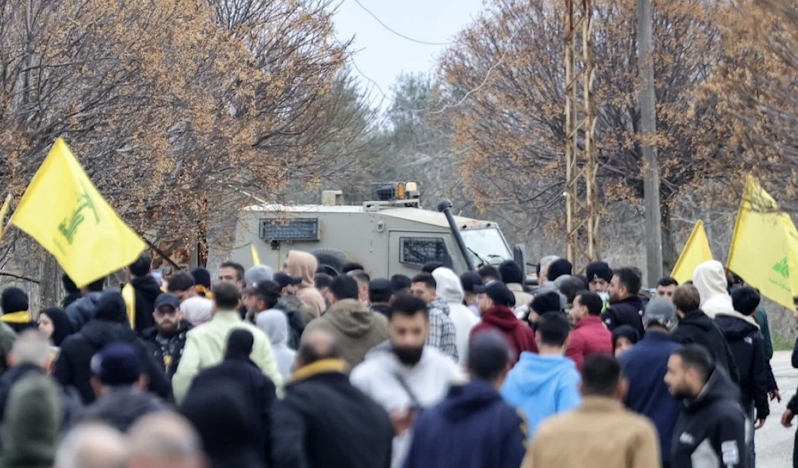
{"points": [[762, 319], [205, 347]]}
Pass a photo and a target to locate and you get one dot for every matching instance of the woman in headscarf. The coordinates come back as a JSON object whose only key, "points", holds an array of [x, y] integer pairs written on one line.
{"points": [[54, 323], [274, 323]]}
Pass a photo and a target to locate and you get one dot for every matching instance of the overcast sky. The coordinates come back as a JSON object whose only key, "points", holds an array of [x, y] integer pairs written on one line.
{"points": [[382, 55]]}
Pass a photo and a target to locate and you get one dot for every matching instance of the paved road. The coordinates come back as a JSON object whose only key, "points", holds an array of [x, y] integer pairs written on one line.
{"points": [[773, 442]]}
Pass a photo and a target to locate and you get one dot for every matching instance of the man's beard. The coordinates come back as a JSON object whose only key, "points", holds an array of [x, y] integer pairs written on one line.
{"points": [[408, 356], [682, 394], [169, 331]]}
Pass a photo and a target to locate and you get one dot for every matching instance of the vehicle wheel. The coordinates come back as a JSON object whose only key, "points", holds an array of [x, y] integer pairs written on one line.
{"points": [[331, 260]]}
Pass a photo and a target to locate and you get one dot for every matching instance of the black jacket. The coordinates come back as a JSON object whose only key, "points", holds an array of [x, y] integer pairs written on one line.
{"points": [[383, 309], [147, 290], [82, 310], [166, 352], [296, 326], [324, 421], [627, 311], [711, 427], [122, 407], [259, 390], [748, 347], [73, 366], [696, 327]]}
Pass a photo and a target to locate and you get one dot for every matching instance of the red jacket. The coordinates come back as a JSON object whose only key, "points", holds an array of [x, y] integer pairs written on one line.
{"points": [[590, 336], [518, 334]]}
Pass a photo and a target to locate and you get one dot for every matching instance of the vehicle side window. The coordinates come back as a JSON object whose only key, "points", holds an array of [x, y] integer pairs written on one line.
{"points": [[420, 250]]}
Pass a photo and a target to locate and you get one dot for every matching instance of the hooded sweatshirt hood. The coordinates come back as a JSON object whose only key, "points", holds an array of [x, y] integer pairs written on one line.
{"points": [[736, 327], [274, 323], [718, 387], [710, 280], [448, 287], [350, 317], [147, 286], [465, 400], [502, 318], [541, 386], [303, 265]]}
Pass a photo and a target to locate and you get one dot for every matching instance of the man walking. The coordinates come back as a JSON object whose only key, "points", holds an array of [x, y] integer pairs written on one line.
{"points": [[590, 336], [472, 415], [644, 367], [324, 420], [166, 340], [547, 383], [626, 307], [711, 428], [495, 307], [442, 333], [600, 433]]}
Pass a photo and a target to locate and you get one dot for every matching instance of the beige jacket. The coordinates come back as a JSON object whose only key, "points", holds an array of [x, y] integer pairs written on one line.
{"points": [[521, 298], [598, 434], [303, 265]]}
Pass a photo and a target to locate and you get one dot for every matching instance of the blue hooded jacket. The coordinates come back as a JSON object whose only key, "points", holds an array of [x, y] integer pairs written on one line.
{"points": [[541, 386], [471, 428]]}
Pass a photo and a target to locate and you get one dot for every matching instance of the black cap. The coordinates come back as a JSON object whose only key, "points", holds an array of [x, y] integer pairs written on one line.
{"points": [[380, 290], [117, 364], [559, 268], [284, 280], [167, 299], [471, 281], [546, 302], [14, 300], [499, 293], [598, 270]]}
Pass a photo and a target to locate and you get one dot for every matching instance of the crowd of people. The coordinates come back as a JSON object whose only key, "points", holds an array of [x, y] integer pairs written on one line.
{"points": [[296, 368]]}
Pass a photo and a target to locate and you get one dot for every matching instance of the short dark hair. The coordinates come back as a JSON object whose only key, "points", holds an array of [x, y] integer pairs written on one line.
{"points": [[239, 342], [601, 375], [400, 283], [344, 287], [69, 285], [592, 301], [360, 276], [351, 266], [488, 355], [407, 305], [322, 280], [628, 279], [553, 328], [686, 298], [96, 285], [429, 267], [180, 282], [795, 300], [745, 300], [237, 267], [309, 353], [489, 272], [425, 278], [570, 287], [511, 272], [695, 356], [141, 267], [667, 281], [380, 291], [268, 292], [226, 295]]}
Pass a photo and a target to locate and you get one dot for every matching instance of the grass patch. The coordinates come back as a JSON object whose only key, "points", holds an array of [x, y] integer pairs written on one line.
{"points": [[782, 344]]}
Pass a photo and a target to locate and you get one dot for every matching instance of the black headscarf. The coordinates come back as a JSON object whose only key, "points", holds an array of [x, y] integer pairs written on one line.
{"points": [[62, 326]]}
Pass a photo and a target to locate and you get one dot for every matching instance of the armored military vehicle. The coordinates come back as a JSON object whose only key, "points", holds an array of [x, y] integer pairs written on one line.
{"points": [[389, 235]]}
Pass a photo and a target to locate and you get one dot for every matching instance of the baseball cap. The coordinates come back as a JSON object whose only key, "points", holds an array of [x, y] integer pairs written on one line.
{"points": [[117, 364], [660, 311], [167, 299], [470, 280], [284, 280], [256, 274], [498, 292]]}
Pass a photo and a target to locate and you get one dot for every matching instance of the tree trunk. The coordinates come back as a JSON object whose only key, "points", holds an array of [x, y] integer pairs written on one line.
{"points": [[49, 287], [669, 254]]}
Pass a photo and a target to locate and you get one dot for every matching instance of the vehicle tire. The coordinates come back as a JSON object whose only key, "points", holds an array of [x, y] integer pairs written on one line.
{"points": [[331, 260]]}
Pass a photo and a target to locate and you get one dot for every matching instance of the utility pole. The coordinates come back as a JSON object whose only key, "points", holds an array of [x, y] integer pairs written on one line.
{"points": [[648, 130]]}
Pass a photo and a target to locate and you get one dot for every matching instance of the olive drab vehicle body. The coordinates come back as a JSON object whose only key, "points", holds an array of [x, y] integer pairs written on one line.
{"points": [[390, 235]]}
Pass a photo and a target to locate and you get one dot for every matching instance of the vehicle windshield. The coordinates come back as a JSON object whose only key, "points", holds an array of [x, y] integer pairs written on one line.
{"points": [[486, 246]]}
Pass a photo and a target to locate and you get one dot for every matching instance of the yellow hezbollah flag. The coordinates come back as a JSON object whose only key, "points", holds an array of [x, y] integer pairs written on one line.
{"points": [[64, 212], [255, 257], [696, 251], [764, 246]]}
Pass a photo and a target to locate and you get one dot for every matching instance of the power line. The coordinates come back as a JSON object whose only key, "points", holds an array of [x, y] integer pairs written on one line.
{"points": [[398, 33], [445, 106]]}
